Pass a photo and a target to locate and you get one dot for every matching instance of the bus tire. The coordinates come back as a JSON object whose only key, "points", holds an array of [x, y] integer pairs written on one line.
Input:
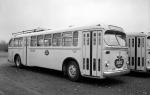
{"points": [[73, 71], [18, 62]]}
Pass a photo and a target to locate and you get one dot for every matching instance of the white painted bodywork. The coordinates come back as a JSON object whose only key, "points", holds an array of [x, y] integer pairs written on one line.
{"points": [[35, 56]]}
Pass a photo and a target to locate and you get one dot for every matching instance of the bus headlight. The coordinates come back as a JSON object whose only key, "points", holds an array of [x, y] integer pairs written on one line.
{"points": [[107, 64], [127, 62]]}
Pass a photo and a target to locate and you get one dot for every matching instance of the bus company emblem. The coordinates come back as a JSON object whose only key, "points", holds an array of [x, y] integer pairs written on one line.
{"points": [[46, 52], [119, 62]]}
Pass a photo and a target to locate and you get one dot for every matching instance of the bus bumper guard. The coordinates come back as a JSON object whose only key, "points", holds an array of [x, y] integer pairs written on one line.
{"points": [[115, 73]]}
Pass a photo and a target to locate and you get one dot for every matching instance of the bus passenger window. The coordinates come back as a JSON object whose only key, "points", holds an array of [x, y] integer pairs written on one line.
{"points": [[88, 39], [16, 42], [132, 42], [142, 42], [84, 40], [67, 39], [94, 64], [148, 41], [47, 40], [56, 39], [75, 38], [138, 42], [33, 41], [99, 38], [10, 43], [94, 39], [129, 43], [40, 40], [20, 42]]}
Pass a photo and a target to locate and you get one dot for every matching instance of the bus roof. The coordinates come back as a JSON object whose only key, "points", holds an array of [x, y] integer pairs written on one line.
{"points": [[137, 34], [76, 28]]}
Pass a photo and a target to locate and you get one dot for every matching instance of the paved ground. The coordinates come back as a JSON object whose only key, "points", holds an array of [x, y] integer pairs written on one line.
{"points": [[38, 81]]}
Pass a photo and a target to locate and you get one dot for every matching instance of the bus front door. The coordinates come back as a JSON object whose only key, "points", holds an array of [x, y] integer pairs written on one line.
{"points": [[131, 52], [91, 53], [140, 63]]}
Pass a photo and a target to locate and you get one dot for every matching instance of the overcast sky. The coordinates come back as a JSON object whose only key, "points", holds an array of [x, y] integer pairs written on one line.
{"points": [[18, 15]]}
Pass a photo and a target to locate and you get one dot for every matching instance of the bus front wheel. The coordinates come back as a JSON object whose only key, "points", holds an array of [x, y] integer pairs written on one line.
{"points": [[18, 62], [73, 71]]}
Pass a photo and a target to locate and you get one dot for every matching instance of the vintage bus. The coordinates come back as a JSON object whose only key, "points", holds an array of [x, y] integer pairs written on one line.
{"points": [[139, 52], [95, 51]]}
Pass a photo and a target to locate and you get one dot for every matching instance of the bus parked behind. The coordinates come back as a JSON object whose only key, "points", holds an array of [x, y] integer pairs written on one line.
{"points": [[139, 52]]}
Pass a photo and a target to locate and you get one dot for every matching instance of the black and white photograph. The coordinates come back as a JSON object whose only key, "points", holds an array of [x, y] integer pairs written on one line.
{"points": [[74, 47]]}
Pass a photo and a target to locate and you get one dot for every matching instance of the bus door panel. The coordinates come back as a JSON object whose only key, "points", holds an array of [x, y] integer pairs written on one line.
{"points": [[99, 53], [140, 53], [143, 53], [129, 50], [86, 53], [96, 53], [132, 52]]}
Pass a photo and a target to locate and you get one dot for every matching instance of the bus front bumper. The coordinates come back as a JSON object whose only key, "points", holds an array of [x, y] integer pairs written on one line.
{"points": [[115, 73]]}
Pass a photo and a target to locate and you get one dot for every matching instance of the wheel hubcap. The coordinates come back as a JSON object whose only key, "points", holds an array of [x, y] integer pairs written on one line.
{"points": [[72, 71]]}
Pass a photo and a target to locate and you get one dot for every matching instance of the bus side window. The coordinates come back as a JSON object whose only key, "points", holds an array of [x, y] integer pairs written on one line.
{"points": [[129, 43], [33, 41], [138, 42], [84, 39], [94, 39], [56, 39], [47, 40], [16, 42], [67, 39], [40, 41], [20, 42], [88, 39], [75, 38], [10, 43], [143, 42], [132, 42], [99, 38], [148, 41]]}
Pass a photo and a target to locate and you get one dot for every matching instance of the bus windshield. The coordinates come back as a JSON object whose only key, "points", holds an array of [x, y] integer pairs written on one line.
{"points": [[115, 38]]}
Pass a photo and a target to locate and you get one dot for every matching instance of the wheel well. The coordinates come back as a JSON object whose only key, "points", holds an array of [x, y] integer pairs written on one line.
{"points": [[16, 55], [66, 62]]}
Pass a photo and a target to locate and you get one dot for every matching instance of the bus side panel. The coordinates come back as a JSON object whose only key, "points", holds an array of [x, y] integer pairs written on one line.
{"points": [[55, 58]]}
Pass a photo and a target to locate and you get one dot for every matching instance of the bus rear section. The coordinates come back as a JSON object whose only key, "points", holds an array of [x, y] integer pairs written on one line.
{"points": [[104, 53], [139, 52]]}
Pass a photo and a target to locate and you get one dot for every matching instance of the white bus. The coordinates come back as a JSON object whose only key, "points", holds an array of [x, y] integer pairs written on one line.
{"points": [[96, 51], [139, 52]]}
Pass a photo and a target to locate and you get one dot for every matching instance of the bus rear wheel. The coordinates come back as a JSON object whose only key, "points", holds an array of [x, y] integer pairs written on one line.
{"points": [[18, 62], [73, 71]]}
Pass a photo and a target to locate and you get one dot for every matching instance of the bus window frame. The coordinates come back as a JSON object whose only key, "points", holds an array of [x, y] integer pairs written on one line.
{"points": [[57, 38], [65, 36], [40, 40], [49, 39], [75, 38], [35, 41]]}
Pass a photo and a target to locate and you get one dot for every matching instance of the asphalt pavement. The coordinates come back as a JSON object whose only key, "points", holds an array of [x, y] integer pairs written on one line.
{"points": [[41, 81]]}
